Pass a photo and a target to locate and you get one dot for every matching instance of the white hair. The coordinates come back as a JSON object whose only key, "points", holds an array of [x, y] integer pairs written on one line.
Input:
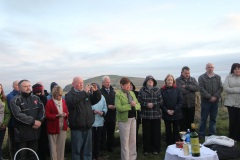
{"points": [[105, 77]]}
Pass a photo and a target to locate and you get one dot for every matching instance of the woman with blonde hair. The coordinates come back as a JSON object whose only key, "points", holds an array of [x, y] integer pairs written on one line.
{"points": [[171, 109], [56, 115]]}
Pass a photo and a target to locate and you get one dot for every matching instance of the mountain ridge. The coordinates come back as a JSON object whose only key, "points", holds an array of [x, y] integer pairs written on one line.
{"points": [[115, 79]]}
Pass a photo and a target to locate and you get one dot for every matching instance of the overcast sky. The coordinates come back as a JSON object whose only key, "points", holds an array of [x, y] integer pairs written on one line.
{"points": [[55, 40]]}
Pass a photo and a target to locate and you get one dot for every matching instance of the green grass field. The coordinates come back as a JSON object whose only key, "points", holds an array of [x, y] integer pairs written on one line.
{"points": [[222, 129]]}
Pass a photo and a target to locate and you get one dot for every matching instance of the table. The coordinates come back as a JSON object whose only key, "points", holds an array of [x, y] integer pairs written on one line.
{"points": [[174, 153]]}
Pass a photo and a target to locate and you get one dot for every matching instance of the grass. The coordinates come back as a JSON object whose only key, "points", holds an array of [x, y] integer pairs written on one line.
{"points": [[222, 129]]}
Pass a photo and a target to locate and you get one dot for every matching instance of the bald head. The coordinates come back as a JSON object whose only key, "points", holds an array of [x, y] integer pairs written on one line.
{"points": [[209, 68], [15, 85], [77, 83]]}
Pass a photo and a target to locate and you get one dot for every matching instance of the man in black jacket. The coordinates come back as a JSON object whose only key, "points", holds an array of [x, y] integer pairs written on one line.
{"points": [[110, 118], [189, 88], [81, 117], [28, 113]]}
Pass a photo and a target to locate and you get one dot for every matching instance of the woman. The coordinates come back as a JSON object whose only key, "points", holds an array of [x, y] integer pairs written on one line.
{"points": [[232, 100], [56, 115], [4, 117], [171, 109], [150, 99], [127, 105], [99, 110]]}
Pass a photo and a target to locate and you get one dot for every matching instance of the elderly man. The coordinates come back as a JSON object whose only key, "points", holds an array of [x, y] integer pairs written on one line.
{"points": [[28, 113], [81, 117], [11, 140], [210, 89], [189, 88], [110, 118]]}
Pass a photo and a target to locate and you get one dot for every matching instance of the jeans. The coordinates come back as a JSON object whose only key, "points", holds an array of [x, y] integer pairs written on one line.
{"points": [[2, 134], [211, 109], [81, 142]]}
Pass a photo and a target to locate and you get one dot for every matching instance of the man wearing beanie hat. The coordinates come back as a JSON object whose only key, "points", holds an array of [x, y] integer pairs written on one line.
{"points": [[43, 139], [150, 99]]}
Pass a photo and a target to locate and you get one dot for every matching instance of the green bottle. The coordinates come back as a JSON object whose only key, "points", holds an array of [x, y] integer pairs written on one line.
{"points": [[194, 144]]}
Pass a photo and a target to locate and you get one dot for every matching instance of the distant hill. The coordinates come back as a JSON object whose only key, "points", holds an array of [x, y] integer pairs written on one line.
{"points": [[114, 82]]}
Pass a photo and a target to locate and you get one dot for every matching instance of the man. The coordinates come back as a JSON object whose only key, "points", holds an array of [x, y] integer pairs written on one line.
{"points": [[189, 88], [28, 113], [210, 89], [110, 118], [11, 140], [81, 117]]}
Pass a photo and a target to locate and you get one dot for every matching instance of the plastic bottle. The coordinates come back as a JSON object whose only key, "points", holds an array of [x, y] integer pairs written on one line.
{"points": [[188, 136]]}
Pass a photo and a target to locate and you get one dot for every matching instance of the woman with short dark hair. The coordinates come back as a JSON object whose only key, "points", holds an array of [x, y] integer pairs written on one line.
{"points": [[232, 100], [127, 105]]}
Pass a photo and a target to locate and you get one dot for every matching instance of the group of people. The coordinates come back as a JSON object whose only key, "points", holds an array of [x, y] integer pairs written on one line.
{"points": [[40, 121]]}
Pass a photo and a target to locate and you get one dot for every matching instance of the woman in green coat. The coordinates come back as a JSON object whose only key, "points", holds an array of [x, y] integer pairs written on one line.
{"points": [[127, 105]]}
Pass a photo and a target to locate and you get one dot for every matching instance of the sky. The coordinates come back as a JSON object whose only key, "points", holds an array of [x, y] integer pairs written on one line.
{"points": [[56, 40]]}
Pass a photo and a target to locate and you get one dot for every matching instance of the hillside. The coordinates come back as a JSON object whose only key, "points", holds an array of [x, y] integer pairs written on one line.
{"points": [[114, 82]]}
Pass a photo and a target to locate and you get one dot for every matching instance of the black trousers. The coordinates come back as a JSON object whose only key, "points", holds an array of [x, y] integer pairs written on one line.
{"points": [[172, 131], [107, 136], [96, 136], [26, 154], [188, 118], [234, 123], [151, 134]]}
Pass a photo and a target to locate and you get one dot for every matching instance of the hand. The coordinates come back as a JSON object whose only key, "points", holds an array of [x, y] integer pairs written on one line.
{"points": [[183, 86], [63, 114], [111, 107], [35, 127], [213, 99], [2, 127], [37, 123], [170, 112], [133, 104], [150, 105]]}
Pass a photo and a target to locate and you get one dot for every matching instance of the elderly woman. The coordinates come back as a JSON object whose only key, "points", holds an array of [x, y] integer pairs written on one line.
{"points": [[127, 105], [171, 109], [56, 115], [4, 117], [232, 100]]}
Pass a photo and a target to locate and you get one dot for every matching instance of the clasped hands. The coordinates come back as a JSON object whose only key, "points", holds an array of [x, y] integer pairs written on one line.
{"points": [[37, 124], [98, 112]]}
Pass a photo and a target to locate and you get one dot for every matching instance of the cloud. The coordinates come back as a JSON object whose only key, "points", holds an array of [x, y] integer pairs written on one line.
{"points": [[230, 22]]}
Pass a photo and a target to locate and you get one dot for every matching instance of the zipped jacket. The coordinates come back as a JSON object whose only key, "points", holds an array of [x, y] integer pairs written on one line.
{"points": [[81, 116], [25, 110]]}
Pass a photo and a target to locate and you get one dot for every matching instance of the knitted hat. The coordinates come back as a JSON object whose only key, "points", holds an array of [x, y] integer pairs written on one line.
{"points": [[36, 88], [52, 85]]}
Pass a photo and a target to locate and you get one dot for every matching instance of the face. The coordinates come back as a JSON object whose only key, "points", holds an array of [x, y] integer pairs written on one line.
{"points": [[150, 83], [106, 83], [126, 87], [15, 85], [78, 84], [236, 71], [186, 74], [25, 87], [169, 81], [209, 68], [58, 97]]}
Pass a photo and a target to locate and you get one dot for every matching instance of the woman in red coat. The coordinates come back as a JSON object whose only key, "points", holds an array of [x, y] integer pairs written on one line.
{"points": [[56, 115]]}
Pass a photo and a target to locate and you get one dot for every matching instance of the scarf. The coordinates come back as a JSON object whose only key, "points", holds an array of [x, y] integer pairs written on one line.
{"points": [[59, 107]]}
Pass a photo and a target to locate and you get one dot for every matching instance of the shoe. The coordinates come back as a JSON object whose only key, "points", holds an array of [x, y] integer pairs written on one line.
{"points": [[145, 153], [155, 153]]}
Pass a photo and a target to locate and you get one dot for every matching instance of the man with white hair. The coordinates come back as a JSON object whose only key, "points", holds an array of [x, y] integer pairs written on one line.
{"points": [[107, 139]]}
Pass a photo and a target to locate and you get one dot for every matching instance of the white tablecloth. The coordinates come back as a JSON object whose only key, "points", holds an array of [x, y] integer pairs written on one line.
{"points": [[174, 153]]}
